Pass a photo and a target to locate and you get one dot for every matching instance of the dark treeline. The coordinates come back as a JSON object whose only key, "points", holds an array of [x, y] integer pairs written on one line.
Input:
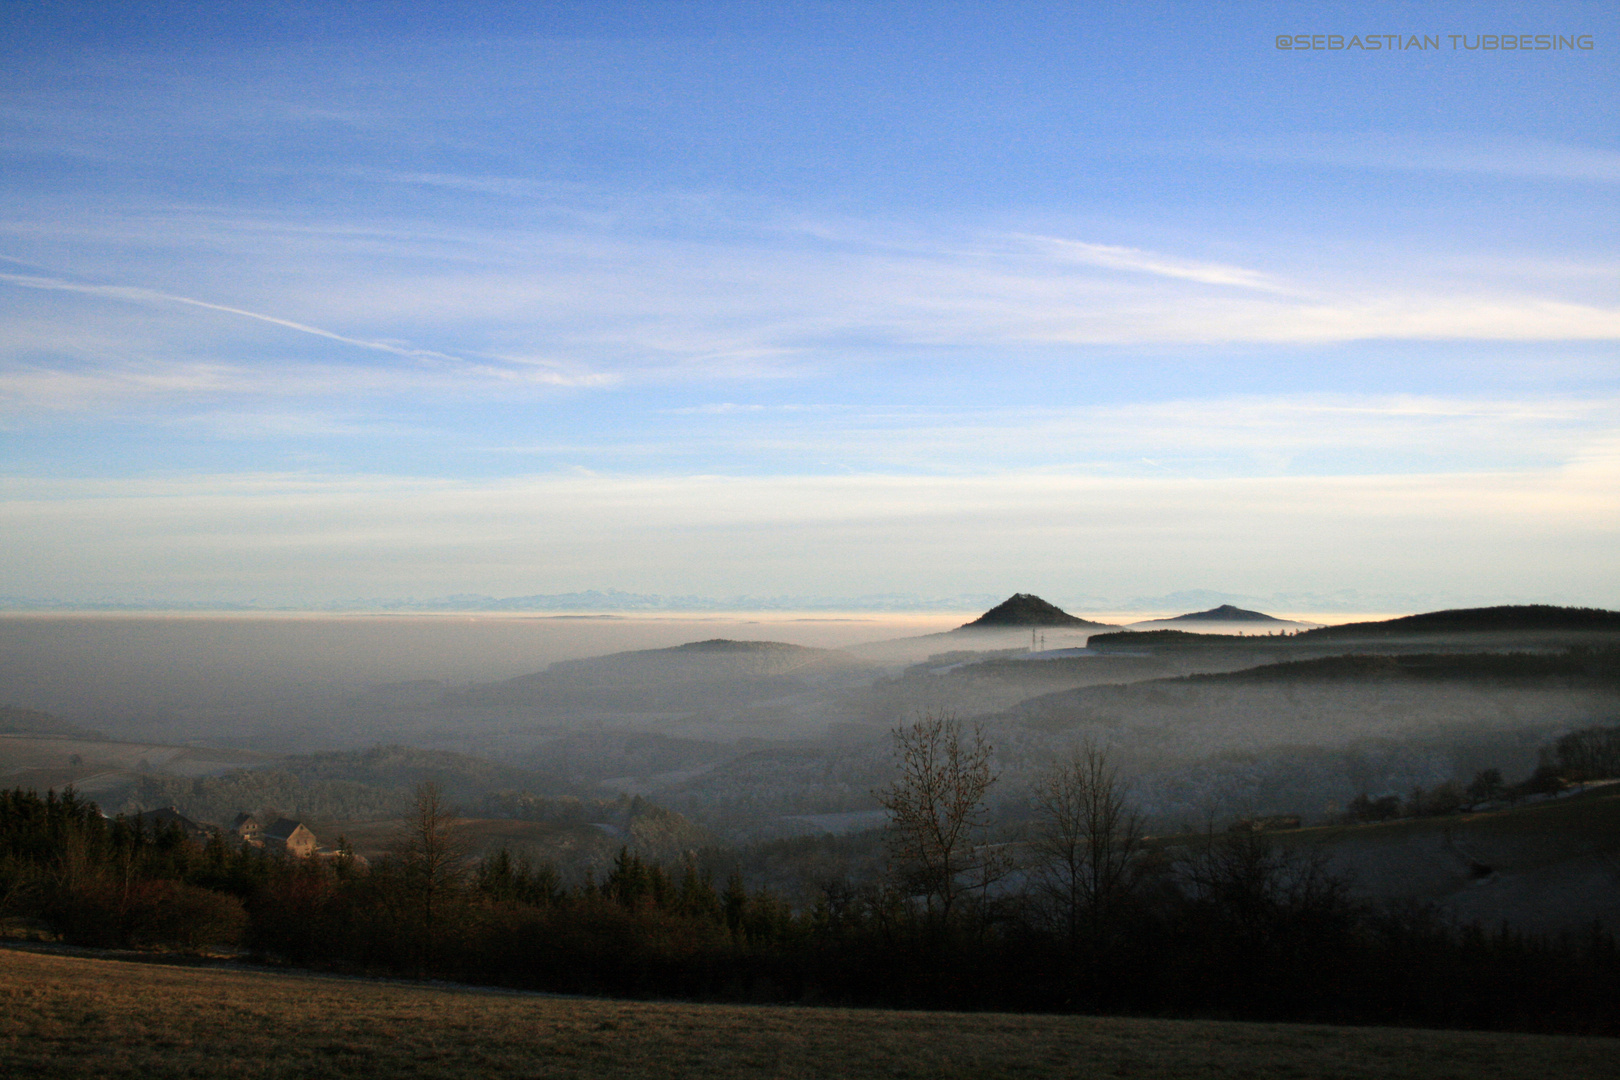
{"points": [[1579, 665], [1506, 618], [1232, 927], [345, 785]]}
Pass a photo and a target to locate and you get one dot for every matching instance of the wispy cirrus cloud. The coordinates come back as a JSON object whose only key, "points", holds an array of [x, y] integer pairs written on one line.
{"points": [[1222, 436], [1131, 259], [28, 390], [1446, 152], [32, 385], [456, 308], [751, 295]]}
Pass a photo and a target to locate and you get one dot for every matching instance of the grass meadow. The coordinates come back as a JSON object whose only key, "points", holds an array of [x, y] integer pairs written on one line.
{"points": [[71, 1016]]}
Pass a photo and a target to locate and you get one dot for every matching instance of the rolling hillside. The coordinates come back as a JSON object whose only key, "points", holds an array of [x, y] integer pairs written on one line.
{"points": [[702, 675], [1547, 867]]}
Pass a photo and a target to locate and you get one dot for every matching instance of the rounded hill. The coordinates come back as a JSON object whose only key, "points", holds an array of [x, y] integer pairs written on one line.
{"points": [[1026, 609], [1225, 613]]}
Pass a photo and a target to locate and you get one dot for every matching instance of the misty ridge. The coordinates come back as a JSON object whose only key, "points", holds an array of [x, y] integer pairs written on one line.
{"points": [[737, 743]]}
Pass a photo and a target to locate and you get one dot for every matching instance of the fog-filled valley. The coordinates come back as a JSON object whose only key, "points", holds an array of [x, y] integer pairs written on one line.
{"points": [[675, 736]]}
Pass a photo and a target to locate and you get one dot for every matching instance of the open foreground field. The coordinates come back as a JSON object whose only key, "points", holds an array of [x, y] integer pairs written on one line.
{"points": [[68, 1016]]}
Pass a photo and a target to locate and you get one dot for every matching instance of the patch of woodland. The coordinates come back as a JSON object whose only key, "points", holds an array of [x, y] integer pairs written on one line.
{"points": [[1228, 925]]}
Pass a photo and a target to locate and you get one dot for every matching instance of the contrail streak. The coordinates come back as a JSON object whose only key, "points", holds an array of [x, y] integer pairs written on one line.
{"points": [[137, 294]]}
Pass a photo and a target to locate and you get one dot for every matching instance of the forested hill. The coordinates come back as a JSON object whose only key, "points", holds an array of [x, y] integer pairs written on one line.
{"points": [[379, 782], [1506, 618]]}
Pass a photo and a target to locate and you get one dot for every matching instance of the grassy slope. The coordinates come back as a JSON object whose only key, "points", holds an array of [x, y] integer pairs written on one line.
{"points": [[1556, 828], [1552, 866], [74, 1017]]}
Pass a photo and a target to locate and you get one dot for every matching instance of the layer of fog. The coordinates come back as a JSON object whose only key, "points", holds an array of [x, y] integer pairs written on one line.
{"points": [[127, 673], [768, 741]]}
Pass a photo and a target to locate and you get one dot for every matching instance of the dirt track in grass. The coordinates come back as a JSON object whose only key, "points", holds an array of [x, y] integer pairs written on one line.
{"points": [[68, 1016]]}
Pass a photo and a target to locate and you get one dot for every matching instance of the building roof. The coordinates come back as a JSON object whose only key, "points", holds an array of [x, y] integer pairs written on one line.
{"points": [[282, 829], [168, 815]]}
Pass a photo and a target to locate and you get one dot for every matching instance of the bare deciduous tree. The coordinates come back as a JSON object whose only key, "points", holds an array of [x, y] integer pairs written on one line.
{"points": [[937, 810], [433, 851], [1258, 886], [1087, 839]]}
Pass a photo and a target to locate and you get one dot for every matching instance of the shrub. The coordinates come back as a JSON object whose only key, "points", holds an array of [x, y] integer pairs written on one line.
{"points": [[1589, 754], [104, 911]]}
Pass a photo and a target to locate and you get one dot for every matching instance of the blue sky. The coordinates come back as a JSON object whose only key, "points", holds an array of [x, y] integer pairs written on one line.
{"points": [[1099, 301]]}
